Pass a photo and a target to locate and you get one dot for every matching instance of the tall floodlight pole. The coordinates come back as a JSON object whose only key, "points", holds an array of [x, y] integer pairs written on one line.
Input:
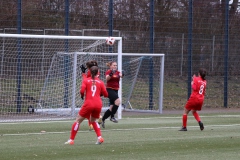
{"points": [[151, 49], [66, 56], [226, 50], [190, 30], [110, 22], [19, 59]]}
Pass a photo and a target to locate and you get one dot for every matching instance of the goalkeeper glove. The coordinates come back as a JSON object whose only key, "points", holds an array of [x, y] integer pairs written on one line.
{"points": [[123, 72], [111, 74], [83, 68]]}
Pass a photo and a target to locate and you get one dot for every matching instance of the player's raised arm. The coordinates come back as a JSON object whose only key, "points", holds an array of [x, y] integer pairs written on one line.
{"points": [[83, 69], [121, 74], [109, 74]]}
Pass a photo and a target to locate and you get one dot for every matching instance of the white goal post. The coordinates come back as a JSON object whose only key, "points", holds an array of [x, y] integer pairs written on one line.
{"points": [[40, 76]]}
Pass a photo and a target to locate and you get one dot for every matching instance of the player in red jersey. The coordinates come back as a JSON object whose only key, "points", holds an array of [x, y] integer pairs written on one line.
{"points": [[113, 77], [93, 88], [89, 64], [196, 99]]}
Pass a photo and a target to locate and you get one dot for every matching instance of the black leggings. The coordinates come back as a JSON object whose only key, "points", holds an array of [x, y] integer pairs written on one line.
{"points": [[112, 95]]}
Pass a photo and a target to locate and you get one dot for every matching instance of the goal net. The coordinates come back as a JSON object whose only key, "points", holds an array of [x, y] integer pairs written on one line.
{"points": [[41, 76], [142, 86]]}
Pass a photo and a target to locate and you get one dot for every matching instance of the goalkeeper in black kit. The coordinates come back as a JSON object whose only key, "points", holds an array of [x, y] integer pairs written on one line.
{"points": [[112, 77]]}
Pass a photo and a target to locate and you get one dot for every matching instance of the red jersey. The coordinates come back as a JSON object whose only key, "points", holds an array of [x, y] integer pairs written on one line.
{"points": [[88, 74], [113, 82], [198, 88], [94, 89]]}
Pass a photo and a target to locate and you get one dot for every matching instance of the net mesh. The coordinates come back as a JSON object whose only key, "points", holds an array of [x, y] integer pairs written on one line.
{"points": [[141, 84], [32, 69], [40, 77], [60, 76]]}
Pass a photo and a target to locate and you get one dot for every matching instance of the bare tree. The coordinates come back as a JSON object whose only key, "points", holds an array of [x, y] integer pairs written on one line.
{"points": [[8, 12]]}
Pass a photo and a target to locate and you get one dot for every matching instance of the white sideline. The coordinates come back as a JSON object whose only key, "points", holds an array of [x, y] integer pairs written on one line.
{"points": [[132, 129], [62, 120]]}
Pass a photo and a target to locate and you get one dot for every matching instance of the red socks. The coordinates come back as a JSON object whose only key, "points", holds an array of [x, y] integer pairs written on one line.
{"points": [[96, 128], [76, 126], [74, 130], [195, 114], [184, 120]]}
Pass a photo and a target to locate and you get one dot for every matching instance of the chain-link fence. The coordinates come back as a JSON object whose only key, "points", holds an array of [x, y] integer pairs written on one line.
{"points": [[131, 20]]}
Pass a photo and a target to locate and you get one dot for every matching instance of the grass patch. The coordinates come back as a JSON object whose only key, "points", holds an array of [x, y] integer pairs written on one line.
{"points": [[152, 137]]}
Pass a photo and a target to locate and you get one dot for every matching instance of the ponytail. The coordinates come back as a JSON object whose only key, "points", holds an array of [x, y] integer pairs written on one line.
{"points": [[108, 64], [89, 64], [94, 71], [203, 73]]}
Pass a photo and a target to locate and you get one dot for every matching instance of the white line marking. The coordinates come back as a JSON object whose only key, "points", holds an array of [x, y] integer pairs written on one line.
{"points": [[132, 129], [158, 117]]}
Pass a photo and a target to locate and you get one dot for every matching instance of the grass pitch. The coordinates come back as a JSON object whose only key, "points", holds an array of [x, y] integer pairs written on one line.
{"points": [[138, 137]]}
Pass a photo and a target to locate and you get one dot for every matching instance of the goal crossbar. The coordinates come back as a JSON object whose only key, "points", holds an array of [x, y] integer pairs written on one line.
{"points": [[56, 37]]}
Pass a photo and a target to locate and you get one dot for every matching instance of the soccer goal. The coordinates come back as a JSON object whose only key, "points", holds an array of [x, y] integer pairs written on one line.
{"points": [[41, 76]]}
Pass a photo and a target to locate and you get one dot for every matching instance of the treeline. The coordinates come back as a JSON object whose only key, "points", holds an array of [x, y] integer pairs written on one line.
{"points": [[132, 19], [129, 15]]}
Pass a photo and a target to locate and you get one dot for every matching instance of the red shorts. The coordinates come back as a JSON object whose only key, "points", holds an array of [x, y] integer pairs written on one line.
{"points": [[194, 104], [87, 111]]}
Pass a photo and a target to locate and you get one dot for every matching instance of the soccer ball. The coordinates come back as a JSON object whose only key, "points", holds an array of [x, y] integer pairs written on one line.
{"points": [[110, 41]]}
